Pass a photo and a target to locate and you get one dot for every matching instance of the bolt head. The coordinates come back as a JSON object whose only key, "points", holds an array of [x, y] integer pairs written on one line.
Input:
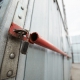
{"points": [[9, 73], [12, 56]]}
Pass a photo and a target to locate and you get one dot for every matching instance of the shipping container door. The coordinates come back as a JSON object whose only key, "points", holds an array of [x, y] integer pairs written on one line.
{"points": [[8, 10], [39, 63]]}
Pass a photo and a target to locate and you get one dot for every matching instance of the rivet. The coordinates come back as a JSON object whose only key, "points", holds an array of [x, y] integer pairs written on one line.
{"points": [[19, 17], [12, 56], [9, 73], [22, 8]]}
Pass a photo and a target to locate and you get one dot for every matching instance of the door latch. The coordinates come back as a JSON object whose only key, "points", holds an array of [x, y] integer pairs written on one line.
{"points": [[20, 33]]}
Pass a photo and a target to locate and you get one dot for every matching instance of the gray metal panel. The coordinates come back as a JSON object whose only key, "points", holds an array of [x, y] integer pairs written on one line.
{"points": [[51, 64], [76, 58], [35, 63], [67, 49], [67, 68], [22, 60], [79, 57], [60, 46], [75, 39], [55, 38], [5, 26], [76, 48], [3, 7], [52, 56], [2, 40], [78, 39], [61, 7]]}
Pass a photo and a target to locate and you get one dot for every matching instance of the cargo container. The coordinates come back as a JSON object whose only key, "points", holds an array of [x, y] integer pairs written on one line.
{"points": [[38, 62], [76, 48]]}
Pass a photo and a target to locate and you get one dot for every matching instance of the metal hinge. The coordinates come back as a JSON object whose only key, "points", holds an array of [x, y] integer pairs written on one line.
{"points": [[11, 55]]}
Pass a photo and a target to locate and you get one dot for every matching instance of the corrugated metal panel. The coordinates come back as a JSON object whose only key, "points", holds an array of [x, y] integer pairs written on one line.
{"points": [[35, 63], [76, 58], [78, 39], [43, 64], [66, 49], [61, 7], [76, 48], [75, 39], [3, 6]]}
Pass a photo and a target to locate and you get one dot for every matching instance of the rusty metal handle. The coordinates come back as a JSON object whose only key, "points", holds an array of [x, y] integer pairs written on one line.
{"points": [[35, 38]]}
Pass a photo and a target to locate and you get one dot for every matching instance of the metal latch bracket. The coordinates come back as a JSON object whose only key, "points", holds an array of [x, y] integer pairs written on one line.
{"points": [[18, 32]]}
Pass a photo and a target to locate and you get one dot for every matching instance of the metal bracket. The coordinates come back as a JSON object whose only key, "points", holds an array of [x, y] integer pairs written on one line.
{"points": [[11, 55], [18, 32], [22, 34]]}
